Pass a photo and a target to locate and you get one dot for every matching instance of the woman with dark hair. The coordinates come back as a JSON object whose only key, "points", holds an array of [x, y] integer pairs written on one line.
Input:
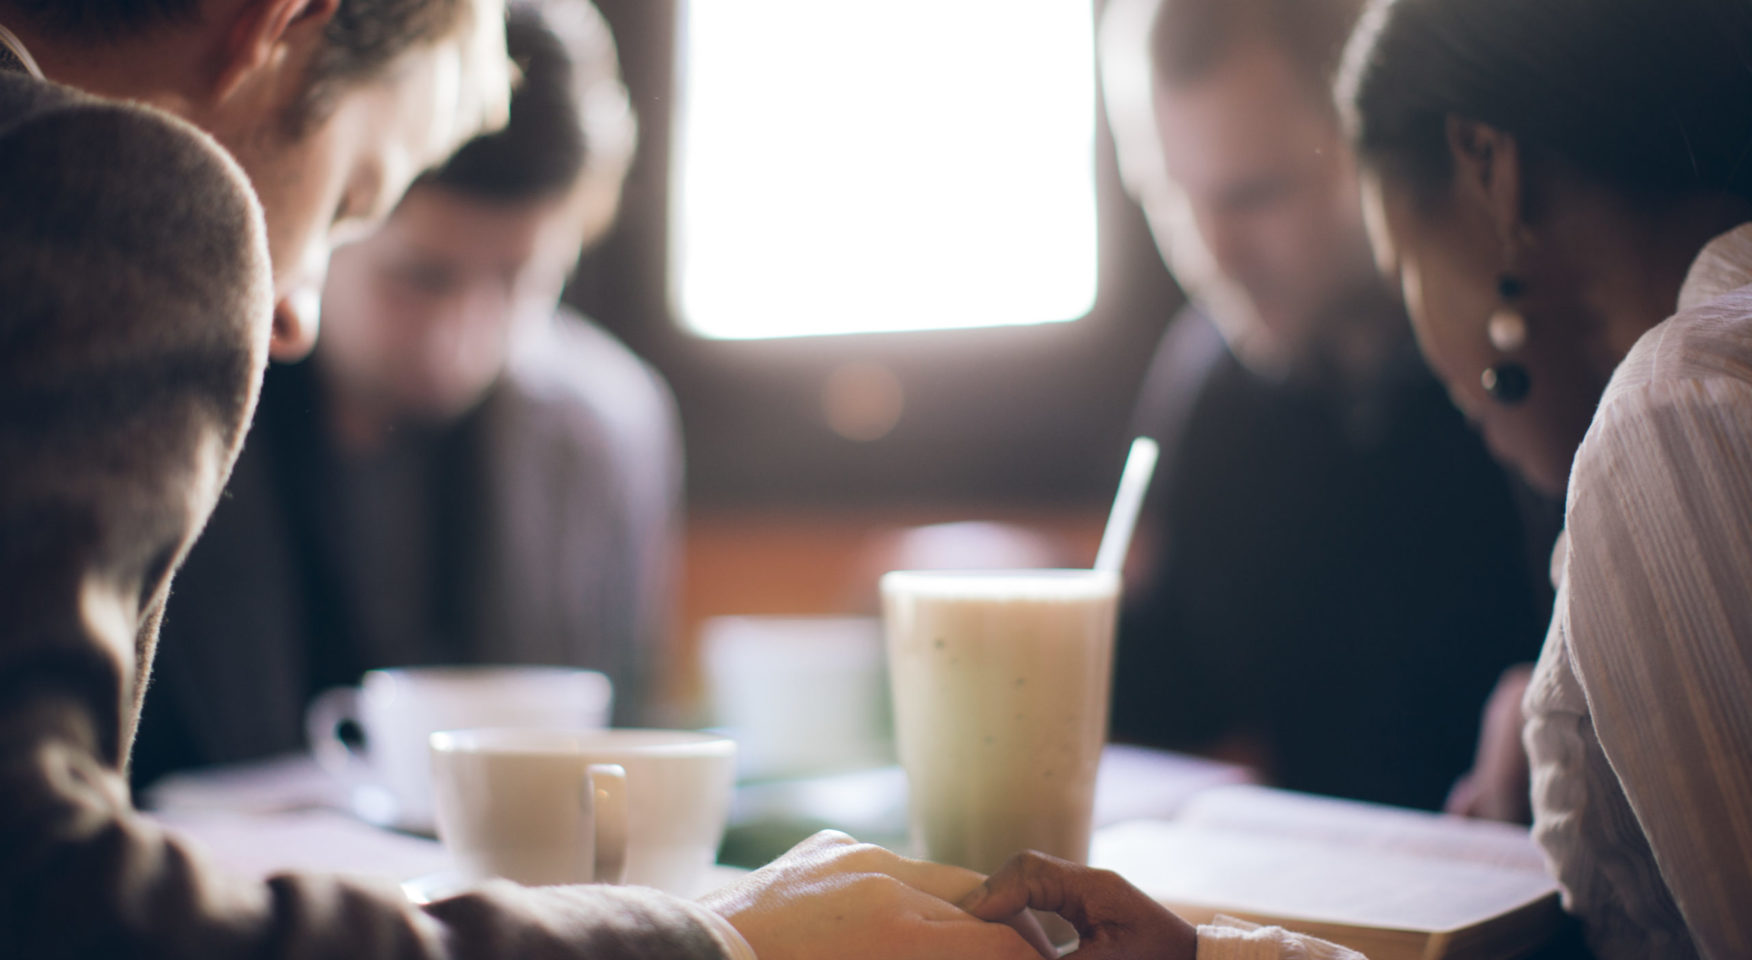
{"points": [[1563, 191]]}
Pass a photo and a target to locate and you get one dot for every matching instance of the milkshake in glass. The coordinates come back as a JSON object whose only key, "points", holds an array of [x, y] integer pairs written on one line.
{"points": [[1001, 684]]}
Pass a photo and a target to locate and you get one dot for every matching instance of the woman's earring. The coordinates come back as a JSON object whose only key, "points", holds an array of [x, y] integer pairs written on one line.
{"points": [[1508, 382]]}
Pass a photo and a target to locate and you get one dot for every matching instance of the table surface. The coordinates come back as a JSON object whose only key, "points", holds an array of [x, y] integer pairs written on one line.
{"points": [[287, 814]]}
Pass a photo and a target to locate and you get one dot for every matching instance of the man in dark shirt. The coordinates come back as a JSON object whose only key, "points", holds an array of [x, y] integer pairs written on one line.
{"points": [[1341, 573]]}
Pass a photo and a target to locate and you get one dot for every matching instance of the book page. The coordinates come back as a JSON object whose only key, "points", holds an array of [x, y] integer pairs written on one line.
{"points": [[1136, 783], [259, 845], [1282, 813], [1285, 878]]}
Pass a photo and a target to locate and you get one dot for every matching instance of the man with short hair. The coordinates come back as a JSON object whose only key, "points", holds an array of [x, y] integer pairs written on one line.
{"points": [[140, 289], [1342, 573], [330, 106], [466, 470]]}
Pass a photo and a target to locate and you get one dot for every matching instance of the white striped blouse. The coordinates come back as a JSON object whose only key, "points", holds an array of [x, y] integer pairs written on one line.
{"points": [[1640, 711]]}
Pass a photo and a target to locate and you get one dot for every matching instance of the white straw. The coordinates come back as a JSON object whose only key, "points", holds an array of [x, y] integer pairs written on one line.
{"points": [[1140, 466]]}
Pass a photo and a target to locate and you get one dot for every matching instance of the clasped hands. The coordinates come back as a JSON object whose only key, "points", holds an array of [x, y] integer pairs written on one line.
{"points": [[832, 897]]}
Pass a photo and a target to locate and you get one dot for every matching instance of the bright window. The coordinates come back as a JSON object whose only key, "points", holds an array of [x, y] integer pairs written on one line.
{"points": [[848, 167]]}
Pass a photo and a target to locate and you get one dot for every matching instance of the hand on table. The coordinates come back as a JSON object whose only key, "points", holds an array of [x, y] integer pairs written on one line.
{"points": [[1114, 920], [1497, 786], [833, 897]]}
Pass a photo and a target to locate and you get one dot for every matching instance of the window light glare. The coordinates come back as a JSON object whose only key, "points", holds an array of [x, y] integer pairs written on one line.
{"points": [[860, 167]]}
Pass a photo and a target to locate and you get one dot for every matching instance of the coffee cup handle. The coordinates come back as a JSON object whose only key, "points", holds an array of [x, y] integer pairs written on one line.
{"points": [[605, 798], [322, 725]]}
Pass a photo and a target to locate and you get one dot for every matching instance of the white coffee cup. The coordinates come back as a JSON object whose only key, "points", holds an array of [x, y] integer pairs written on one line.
{"points": [[529, 816], [502, 794], [801, 695], [397, 710]]}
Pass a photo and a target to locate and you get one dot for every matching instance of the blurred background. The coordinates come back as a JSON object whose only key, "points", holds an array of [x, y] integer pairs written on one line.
{"points": [[931, 303], [883, 264]]}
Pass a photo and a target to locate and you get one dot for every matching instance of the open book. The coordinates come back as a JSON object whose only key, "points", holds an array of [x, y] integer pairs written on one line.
{"points": [[1393, 884]]}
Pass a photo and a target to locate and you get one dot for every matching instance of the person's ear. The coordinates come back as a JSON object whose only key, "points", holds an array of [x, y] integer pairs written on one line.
{"points": [[265, 34], [1488, 176]]}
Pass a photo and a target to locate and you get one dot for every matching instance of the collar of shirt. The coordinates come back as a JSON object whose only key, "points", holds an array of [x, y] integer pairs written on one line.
{"points": [[14, 55], [1725, 265]]}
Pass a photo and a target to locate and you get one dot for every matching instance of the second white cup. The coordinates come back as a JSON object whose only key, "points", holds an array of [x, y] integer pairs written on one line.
{"points": [[398, 709]]}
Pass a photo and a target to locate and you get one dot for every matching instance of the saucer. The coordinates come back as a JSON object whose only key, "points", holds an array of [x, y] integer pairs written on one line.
{"points": [[378, 807]]}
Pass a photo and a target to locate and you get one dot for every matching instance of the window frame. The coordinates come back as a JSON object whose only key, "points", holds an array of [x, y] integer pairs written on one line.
{"points": [[995, 417]]}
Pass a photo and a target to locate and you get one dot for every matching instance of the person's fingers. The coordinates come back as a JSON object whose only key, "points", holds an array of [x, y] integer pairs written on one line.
{"points": [[939, 880], [1028, 880], [1463, 798], [942, 886], [1037, 881], [898, 896], [1029, 928], [1114, 920], [890, 892], [986, 941], [823, 842]]}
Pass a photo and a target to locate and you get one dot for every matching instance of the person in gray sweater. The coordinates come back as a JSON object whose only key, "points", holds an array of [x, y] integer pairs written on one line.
{"points": [[151, 255]]}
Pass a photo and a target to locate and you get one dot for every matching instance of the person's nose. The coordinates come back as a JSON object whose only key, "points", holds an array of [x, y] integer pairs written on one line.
{"points": [[487, 303], [479, 305], [298, 310], [297, 317]]}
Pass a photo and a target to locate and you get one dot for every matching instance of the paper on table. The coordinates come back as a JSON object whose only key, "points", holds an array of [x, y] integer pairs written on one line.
{"points": [[310, 841], [1249, 874], [1390, 883], [289, 782], [1264, 811], [1136, 783]]}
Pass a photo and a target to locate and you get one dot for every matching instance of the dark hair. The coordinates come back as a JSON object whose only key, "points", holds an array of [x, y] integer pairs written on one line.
{"points": [[569, 111], [363, 37], [1649, 96], [108, 18], [1191, 38]]}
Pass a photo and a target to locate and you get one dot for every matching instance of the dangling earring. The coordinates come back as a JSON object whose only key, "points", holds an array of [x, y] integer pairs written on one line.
{"points": [[1507, 382]]}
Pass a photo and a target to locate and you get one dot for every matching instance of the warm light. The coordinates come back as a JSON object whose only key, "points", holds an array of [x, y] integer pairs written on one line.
{"points": [[852, 167], [862, 401]]}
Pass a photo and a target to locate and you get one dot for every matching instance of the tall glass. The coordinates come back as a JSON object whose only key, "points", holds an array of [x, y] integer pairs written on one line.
{"points": [[1001, 682]]}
